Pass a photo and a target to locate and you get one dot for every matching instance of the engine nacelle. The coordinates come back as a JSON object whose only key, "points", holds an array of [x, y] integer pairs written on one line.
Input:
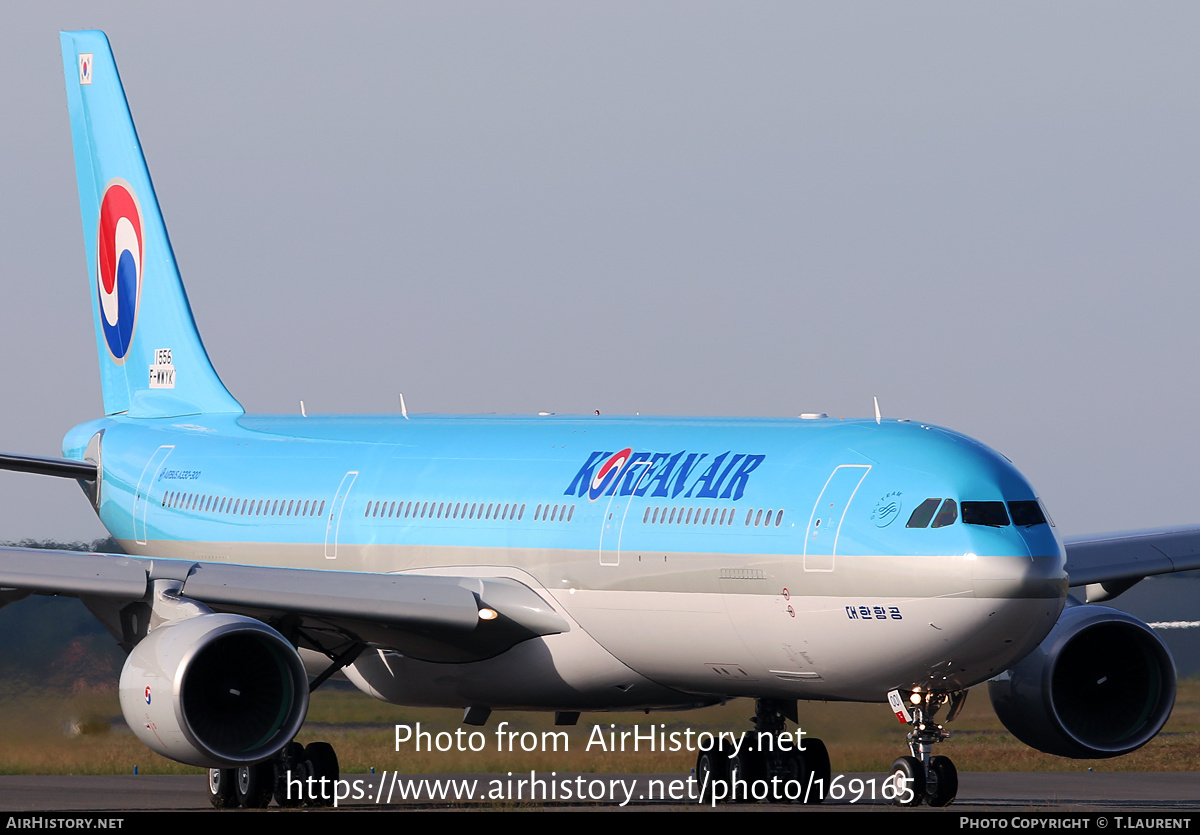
{"points": [[216, 690], [1102, 684]]}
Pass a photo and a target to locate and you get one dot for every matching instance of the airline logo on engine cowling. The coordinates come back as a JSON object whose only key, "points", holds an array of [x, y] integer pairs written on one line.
{"points": [[699, 475]]}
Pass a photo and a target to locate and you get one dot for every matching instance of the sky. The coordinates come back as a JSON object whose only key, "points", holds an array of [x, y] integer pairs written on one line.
{"points": [[982, 214]]}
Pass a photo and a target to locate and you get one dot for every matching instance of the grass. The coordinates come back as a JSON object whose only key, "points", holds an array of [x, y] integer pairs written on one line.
{"points": [[50, 732]]}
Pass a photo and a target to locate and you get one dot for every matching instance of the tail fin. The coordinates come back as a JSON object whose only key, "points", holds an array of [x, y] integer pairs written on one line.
{"points": [[152, 362]]}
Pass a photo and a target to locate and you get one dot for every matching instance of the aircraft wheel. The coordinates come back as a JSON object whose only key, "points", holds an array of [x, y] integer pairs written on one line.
{"points": [[748, 765], [907, 781], [222, 787], [321, 762], [816, 763], [946, 776], [289, 766], [792, 778], [746, 770], [711, 766], [255, 784]]}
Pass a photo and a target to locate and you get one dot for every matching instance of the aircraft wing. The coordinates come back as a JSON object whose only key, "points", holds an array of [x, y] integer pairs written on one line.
{"points": [[1109, 564], [428, 617]]}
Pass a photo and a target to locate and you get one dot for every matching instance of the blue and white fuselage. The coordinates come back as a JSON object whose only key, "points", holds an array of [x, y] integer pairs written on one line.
{"points": [[712, 557]]}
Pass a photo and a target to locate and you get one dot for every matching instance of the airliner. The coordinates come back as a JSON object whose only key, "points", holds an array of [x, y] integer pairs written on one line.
{"points": [[553, 563]]}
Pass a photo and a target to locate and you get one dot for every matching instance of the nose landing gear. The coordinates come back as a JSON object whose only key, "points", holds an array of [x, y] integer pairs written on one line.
{"points": [[922, 776]]}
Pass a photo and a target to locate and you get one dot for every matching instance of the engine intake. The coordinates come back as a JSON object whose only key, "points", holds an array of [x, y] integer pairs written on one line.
{"points": [[1102, 684], [216, 690]]}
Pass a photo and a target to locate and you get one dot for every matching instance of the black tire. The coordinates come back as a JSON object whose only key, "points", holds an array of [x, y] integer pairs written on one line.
{"points": [[816, 763], [222, 787], [907, 779], [255, 784], [289, 765], [321, 762], [946, 775], [711, 765], [791, 778], [748, 766]]}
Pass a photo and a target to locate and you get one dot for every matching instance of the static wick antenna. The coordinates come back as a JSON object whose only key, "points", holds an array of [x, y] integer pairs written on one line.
{"points": [[878, 416]]}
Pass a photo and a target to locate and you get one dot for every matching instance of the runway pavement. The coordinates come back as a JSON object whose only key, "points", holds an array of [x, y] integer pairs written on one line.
{"points": [[1112, 792]]}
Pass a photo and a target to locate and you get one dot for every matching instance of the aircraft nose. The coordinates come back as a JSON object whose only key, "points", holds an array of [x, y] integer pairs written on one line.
{"points": [[1019, 576], [1022, 598], [1020, 563], [1016, 601]]}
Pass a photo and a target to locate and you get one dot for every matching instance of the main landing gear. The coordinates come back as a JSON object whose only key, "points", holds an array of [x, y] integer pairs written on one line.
{"points": [[297, 775], [923, 777], [769, 764]]}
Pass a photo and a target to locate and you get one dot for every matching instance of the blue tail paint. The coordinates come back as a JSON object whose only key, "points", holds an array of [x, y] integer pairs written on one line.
{"points": [[152, 362]]}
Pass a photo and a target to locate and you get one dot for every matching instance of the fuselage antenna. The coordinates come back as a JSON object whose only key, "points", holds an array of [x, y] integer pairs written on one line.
{"points": [[878, 416], [403, 410], [302, 412]]}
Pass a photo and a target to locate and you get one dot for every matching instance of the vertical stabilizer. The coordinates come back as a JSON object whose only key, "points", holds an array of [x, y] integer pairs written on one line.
{"points": [[152, 362]]}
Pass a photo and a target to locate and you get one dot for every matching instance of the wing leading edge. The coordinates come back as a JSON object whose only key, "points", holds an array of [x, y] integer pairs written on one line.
{"points": [[1109, 564], [428, 617]]}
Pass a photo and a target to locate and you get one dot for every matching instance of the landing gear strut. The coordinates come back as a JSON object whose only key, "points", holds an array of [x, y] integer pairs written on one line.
{"points": [[922, 776], [295, 776], [771, 764]]}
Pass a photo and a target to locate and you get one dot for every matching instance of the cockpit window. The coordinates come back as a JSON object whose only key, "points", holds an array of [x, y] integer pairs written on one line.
{"points": [[1026, 514], [948, 514], [991, 514], [924, 512], [1046, 513]]}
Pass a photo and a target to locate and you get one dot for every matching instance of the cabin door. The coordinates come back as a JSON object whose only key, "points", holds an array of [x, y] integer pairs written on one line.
{"points": [[334, 521], [820, 544], [620, 510], [141, 500]]}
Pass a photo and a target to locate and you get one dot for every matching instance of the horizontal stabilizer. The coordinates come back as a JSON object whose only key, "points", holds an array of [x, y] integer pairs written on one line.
{"points": [[60, 467]]}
